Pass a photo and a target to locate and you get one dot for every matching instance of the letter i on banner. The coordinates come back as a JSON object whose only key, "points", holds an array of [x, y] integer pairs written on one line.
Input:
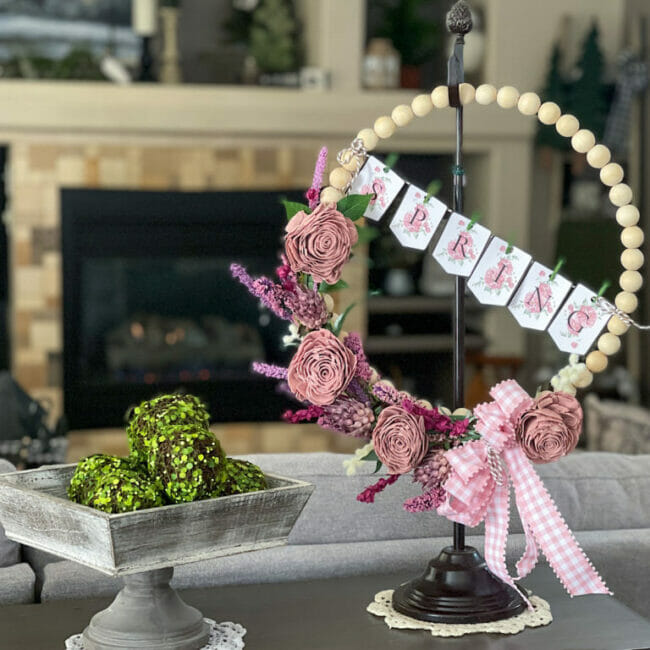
{"points": [[416, 220], [579, 322], [459, 248], [497, 275], [385, 185], [538, 297]]}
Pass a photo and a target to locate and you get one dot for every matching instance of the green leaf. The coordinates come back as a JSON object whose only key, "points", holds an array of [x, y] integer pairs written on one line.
{"points": [[292, 208], [310, 282], [371, 455], [354, 205], [378, 467], [323, 287], [338, 323], [367, 234]]}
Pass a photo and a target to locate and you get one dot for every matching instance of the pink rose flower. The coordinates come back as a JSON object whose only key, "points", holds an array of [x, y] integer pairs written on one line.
{"points": [[551, 427], [461, 250], [321, 369], [400, 439], [319, 243]]}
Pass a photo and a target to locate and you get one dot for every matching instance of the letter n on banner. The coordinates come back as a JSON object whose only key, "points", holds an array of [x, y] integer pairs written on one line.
{"points": [[458, 248], [416, 221], [538, 297], [385, 185]]}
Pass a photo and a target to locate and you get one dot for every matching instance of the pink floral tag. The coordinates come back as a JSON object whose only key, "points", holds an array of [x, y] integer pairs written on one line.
{"points": [[458, 249], [415, 221], [579, 322], [385, 185], [498, 273], [538, 298]]}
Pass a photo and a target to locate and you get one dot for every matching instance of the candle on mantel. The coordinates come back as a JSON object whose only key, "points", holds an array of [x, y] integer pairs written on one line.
{"points": [[144, 15]]}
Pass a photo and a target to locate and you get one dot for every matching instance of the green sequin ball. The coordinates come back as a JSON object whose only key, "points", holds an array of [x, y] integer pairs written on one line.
{"points": [[241, 477]]}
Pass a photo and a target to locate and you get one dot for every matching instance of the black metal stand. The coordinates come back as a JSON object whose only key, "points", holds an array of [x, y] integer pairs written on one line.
{"points": [[146, 61], [457, 586]]}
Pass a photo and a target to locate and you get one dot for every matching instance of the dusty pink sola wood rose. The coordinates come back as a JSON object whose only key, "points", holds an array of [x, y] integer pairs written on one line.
{"points": [[551, 427], [400, 439], [321, 369], [319, 243]]}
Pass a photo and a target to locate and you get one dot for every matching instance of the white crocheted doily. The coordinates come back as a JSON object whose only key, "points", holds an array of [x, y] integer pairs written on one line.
{"points": [[383, 606], [223, 636]]}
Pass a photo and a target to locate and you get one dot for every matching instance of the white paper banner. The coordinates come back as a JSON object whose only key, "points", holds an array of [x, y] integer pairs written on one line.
{"points": [[385, 185], [498, 273], [538, 298], [458, 249], [579, 322], [416, 221]]}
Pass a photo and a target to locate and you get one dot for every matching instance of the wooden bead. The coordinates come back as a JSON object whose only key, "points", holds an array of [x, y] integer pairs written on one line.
{"points": [[567, 125], [583, 141], [626, 301], [402, 115], [549, 113], [369, 138], [611, 174], [529, 103], [616, 326], [486, 94], [632, 237], [632, 259], [340, 178], [630, 281], [596, 361], [627, 215], [422, 105], [621, 194], [584, 379], [384, 127], [466, 93], [507, 97], [354, 163], [599, 156], [330, 195], [440, 96], [465, 412], [609, 344]]}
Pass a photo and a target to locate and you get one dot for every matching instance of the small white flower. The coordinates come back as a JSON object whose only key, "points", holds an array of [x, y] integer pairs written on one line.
{"points": [[293, 337], [351, 465]]}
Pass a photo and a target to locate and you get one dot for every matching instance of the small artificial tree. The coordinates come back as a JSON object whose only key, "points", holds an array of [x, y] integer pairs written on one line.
{"points": [[274, 36], [555, 90]]}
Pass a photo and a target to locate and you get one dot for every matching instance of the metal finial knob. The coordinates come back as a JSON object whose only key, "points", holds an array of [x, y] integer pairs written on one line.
{"points": [[459, 18]]}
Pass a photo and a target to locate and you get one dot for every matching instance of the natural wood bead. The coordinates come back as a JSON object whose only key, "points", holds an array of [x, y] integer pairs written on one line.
{"points": [[609, 344], [422, 105], [583, 141], [626, 301], [466, 93], [621, 194], [354, 163], [384, 127], [486, 94], [567, 125], [599, 156], [584, 379], [402, 115], [630, 281], [632, 259], [632, 237], [627, 215], [369, 138], [596, 361], [440, 96], [340, 178], [330, 195], [507, 97], [529, 103], [465, 412], [616, 326], [549, 113], [611, 174]]}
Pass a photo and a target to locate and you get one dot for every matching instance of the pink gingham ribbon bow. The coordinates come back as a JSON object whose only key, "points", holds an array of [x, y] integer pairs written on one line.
{"points": [[478, 488]]}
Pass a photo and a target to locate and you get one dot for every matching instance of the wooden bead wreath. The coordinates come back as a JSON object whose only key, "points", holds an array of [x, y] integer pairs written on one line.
{"points": [[582, 140]]}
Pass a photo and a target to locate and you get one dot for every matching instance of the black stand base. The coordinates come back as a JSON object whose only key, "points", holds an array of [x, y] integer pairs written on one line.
{"points": [[457, 587]]}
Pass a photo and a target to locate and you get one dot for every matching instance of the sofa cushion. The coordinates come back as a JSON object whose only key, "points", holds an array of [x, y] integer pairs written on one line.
{"points": [[17, 584], [9, 550]]}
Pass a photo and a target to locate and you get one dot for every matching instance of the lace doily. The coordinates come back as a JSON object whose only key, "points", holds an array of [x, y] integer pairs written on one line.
{"points": [[383, 606], [223, 636]]}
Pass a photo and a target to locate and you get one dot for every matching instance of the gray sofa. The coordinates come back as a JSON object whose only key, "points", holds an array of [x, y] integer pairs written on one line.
{"points": [[605, 498]]}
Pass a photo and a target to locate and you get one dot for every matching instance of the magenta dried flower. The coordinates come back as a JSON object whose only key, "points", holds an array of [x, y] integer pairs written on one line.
{"points": [[369, 494], [425, 502], [353, 342], [349, 417]]}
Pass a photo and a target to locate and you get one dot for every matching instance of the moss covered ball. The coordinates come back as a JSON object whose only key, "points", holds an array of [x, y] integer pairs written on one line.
{"points": [[187, 462], [241, 476], [93, 469], [162, 415]]}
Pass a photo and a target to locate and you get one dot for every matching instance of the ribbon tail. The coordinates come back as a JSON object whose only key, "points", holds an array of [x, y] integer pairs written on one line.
{"points": [[528, 560], [541, 516]]}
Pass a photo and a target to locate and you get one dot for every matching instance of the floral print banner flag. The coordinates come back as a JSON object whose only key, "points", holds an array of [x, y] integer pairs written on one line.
{"points": [[375, 178], [498, 273], [579, 322], [417, 219], [459, 248], [539, 297]]}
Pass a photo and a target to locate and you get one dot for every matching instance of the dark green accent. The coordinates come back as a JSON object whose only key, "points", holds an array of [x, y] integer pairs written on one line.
{"points": [[292, 208], [354, 206]]}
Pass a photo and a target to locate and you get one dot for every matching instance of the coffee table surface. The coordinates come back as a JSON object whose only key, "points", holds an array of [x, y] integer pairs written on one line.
{"points": [[330, 615]]}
